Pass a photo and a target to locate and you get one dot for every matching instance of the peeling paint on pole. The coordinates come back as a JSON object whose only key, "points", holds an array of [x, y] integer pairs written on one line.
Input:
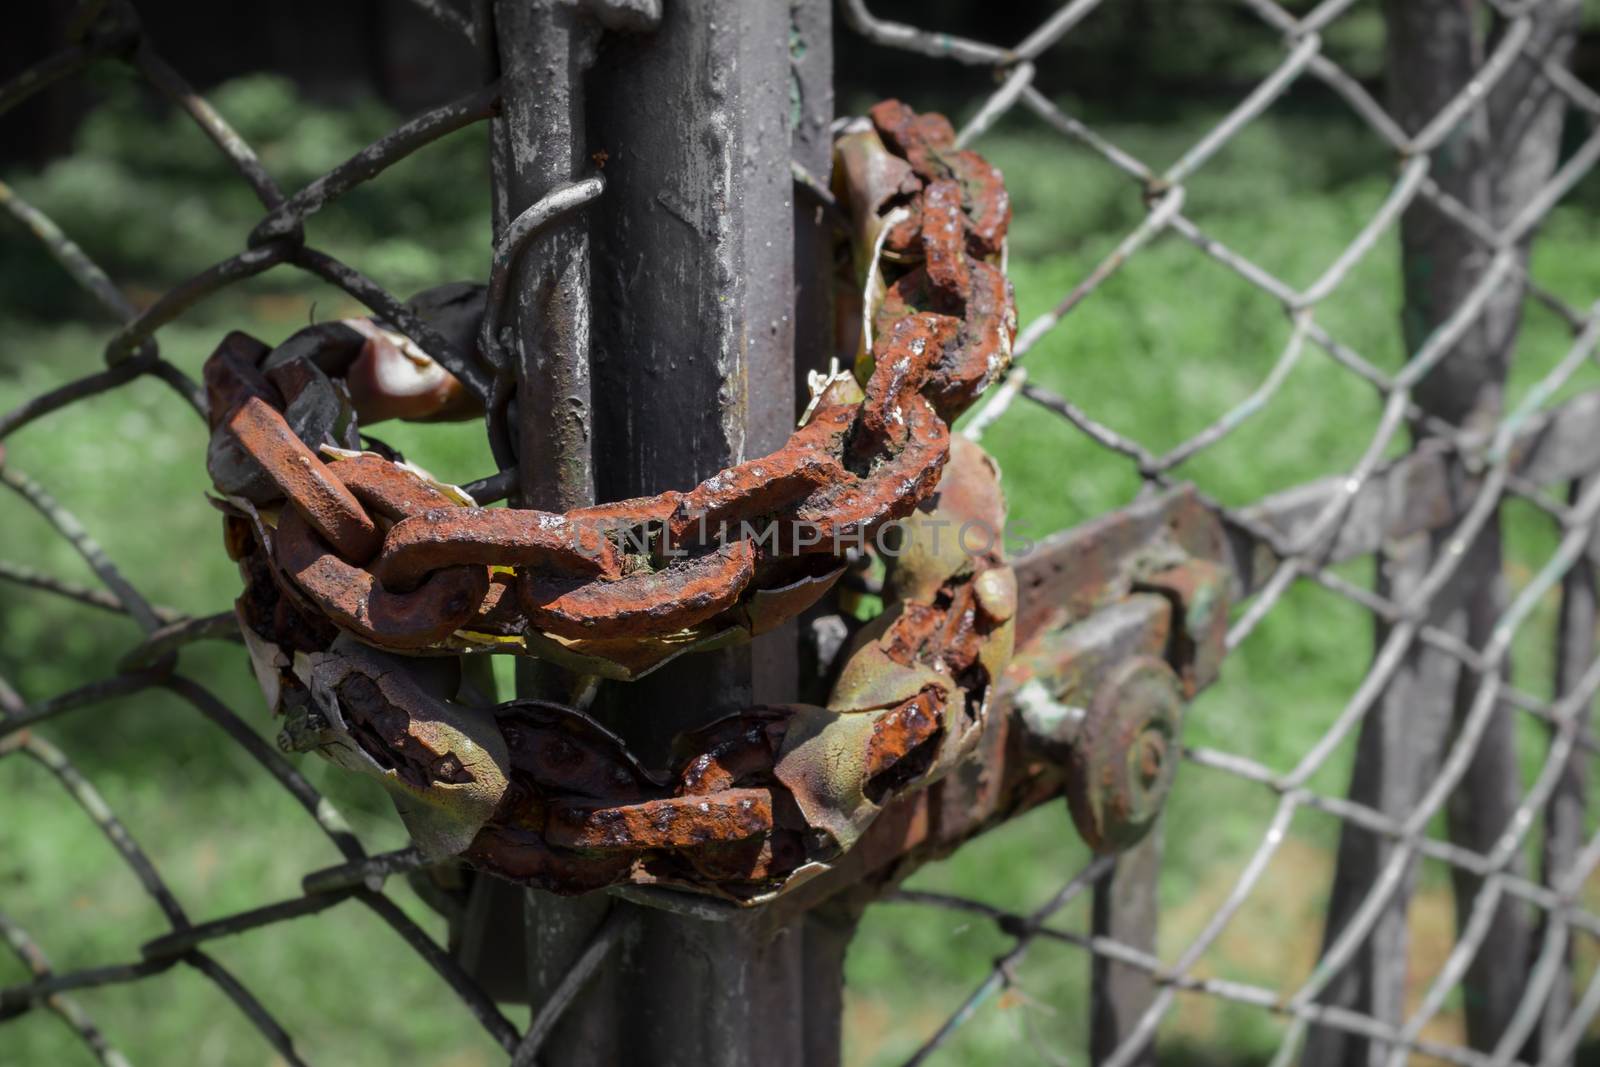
{"points": [[688, 316]]}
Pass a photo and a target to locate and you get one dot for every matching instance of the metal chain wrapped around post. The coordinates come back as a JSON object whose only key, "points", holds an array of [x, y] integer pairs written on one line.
{"points": [[350, 556], [742, 802]]}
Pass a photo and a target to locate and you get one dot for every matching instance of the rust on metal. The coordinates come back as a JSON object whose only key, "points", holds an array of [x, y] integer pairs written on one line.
{"points": [[751, 490], [901, 360], [732, 750], [559, 751], [766, 859], [1199, 590], [984, 199], [853, 510], [916, 138], [389, 489], [521, 854], [898, 748], [495, 537], [904, 239], [665, 600], [1123, 762], [981, 351], [355, 601], [667, 823], [498, 613], [620, 515], [944, 242], [928, 143], [315, 493]]}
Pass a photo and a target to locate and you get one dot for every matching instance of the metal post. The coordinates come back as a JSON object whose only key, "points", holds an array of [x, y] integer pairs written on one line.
{"points": [[1126, 910], [1498, 158], [544, 47], [1565, 815], [676, 360]]}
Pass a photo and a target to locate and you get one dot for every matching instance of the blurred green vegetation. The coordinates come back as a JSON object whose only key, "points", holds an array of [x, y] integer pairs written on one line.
{"points": [[1166, 345]]}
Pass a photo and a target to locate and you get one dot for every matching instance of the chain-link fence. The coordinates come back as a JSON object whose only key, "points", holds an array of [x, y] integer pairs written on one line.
{"points": [[1478, 129], [111, 32], [1474, 120]]}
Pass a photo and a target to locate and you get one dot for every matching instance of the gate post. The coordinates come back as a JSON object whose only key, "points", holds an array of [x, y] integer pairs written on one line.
{"points": [[679, 359]]}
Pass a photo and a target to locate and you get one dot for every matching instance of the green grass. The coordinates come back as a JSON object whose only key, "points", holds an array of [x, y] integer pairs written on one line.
{"points": [[1168, 343]]}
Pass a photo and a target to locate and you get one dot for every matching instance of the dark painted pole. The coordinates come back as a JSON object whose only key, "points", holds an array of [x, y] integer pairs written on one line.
{"points": [[658, 346], [544, 47]]}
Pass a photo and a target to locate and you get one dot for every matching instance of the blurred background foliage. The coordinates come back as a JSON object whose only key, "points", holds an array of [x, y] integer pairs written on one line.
{"points": [[1169, 343]]}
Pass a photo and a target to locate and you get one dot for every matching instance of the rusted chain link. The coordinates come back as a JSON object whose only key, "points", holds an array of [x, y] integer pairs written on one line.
{"points": [[349, 556]]}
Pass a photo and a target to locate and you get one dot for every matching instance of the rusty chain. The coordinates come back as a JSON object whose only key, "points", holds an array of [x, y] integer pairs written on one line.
{"points": [[360, 546]]}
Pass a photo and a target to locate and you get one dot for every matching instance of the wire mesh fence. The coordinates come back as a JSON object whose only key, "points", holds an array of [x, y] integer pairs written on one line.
{"points": [[112, 32], [1444, 768], [1434, 710]]}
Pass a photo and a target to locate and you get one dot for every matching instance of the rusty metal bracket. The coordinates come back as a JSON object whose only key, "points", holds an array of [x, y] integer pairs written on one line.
{"points": [[1104, 693], [1120, 621]]}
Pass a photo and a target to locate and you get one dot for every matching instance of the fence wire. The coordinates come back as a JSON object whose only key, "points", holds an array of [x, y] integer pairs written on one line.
{"points": [[112, 32], [1488, 449], [1523, 60]]}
